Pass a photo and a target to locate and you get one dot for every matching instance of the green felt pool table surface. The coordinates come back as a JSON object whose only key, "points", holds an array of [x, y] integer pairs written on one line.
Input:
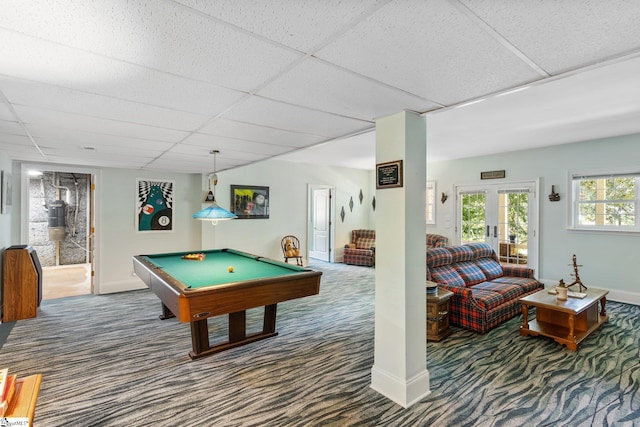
{"points": [[213, 269]]}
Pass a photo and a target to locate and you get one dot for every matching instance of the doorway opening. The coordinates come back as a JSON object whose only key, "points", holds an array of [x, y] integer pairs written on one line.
{"points": [[60, 230]]}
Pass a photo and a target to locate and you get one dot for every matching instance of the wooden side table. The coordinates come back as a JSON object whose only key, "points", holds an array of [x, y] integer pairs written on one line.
{"points": [[438, 315]]}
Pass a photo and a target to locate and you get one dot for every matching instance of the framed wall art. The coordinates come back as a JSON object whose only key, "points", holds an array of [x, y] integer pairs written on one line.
{"points": [[250, 201], [154, 205]]}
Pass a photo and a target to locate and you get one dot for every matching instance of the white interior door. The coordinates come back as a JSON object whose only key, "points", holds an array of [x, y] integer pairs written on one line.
{"points": [[320, 223]]}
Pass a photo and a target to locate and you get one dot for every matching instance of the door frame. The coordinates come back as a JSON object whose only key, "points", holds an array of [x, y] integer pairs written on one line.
{"points": [[92, 215], [534, 220], [311, 188]]}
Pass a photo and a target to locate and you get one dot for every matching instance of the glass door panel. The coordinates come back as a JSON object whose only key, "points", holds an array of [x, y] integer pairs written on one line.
{"points": [[513, 225], [473, 217]]}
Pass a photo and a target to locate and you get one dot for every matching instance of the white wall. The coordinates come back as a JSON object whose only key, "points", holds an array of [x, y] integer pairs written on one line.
{"points": [[117, 240], [608, 259], [288, 182]]}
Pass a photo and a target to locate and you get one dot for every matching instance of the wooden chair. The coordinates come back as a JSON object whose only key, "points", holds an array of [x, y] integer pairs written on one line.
{"points": [[292, 252]]}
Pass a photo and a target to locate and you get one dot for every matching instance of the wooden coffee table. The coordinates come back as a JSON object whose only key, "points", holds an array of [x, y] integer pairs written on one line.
{"points": [[568, 322]]}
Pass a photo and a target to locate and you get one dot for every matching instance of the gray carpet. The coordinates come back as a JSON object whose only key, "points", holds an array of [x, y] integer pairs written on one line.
{"points": [[109, 361]]}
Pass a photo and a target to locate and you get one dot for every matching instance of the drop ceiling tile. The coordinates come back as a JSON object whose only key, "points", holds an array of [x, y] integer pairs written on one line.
{"points": [[53, 135], [11, 127], [105, 152], [299, 24], [187, 163], [5, 113], [21, 152], [36, 116], [83, 103], [567, 34], [114, 161], [429, 49], [184, 152], [223, 143], [39, 61], [158, 35], [252, 132], [10, 138], [278, 115], [321, 86]]}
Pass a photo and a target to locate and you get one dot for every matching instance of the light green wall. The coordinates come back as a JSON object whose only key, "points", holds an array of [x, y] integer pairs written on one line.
{"points": [[608, 259]]}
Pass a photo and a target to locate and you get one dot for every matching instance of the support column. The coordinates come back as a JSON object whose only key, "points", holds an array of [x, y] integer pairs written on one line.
{"points": [[400, 371]]}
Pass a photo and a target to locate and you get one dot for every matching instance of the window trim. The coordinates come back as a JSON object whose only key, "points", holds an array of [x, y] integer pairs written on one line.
{"points": [[572, 211]]}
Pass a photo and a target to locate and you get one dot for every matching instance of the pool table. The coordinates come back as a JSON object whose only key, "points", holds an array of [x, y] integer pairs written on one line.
{"points": [[194, 290]]}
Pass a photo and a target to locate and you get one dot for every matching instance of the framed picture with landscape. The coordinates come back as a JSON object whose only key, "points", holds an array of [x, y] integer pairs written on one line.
{"points": [[250, 202]]}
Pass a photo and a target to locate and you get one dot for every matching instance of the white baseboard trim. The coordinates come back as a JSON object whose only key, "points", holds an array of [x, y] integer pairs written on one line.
{"points": [[403, 392], [132, 284]]}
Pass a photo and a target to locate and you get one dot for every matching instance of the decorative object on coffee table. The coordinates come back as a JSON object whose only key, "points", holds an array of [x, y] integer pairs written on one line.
{"points": [[576, 275], [561, 291]]}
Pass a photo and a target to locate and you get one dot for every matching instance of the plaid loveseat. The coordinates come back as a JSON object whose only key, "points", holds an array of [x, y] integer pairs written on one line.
{"points": [[362, 250], [485, 292]]}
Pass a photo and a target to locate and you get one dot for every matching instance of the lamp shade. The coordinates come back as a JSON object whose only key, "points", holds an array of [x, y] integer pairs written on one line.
{"points": [[214, 213]]}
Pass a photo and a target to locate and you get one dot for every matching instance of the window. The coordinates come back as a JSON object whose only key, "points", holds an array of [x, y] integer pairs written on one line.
{"points": [[606, 202], [431, 202]]}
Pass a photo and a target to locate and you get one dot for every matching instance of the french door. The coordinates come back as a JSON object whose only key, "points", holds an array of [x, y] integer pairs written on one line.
{"points": [[503, 215]]}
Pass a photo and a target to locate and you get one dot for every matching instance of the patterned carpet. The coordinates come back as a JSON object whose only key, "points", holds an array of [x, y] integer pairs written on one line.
{"points": [[109, 361]]}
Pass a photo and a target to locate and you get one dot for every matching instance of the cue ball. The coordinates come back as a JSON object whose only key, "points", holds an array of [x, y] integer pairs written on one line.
{"points": [[230, 268]]}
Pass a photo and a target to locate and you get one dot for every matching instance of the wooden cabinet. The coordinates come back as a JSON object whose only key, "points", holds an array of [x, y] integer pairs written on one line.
{"points": [[438, 315], [22, 285]]}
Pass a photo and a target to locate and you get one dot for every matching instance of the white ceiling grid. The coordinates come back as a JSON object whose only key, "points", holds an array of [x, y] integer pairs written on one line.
{"points": [[157, 84]]}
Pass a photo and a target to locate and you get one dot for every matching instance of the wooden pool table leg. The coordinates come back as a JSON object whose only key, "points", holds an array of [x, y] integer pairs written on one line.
{"points": [[269, 323], [199, 338], [166, 313], [237, 326], [237, 333]]}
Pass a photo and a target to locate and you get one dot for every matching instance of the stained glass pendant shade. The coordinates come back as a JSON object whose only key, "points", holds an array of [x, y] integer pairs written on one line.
{"points": [[213, 212]]}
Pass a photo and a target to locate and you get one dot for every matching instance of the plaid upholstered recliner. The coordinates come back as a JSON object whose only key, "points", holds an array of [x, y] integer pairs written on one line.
{"points": [[362, 250], [436, 241]]}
